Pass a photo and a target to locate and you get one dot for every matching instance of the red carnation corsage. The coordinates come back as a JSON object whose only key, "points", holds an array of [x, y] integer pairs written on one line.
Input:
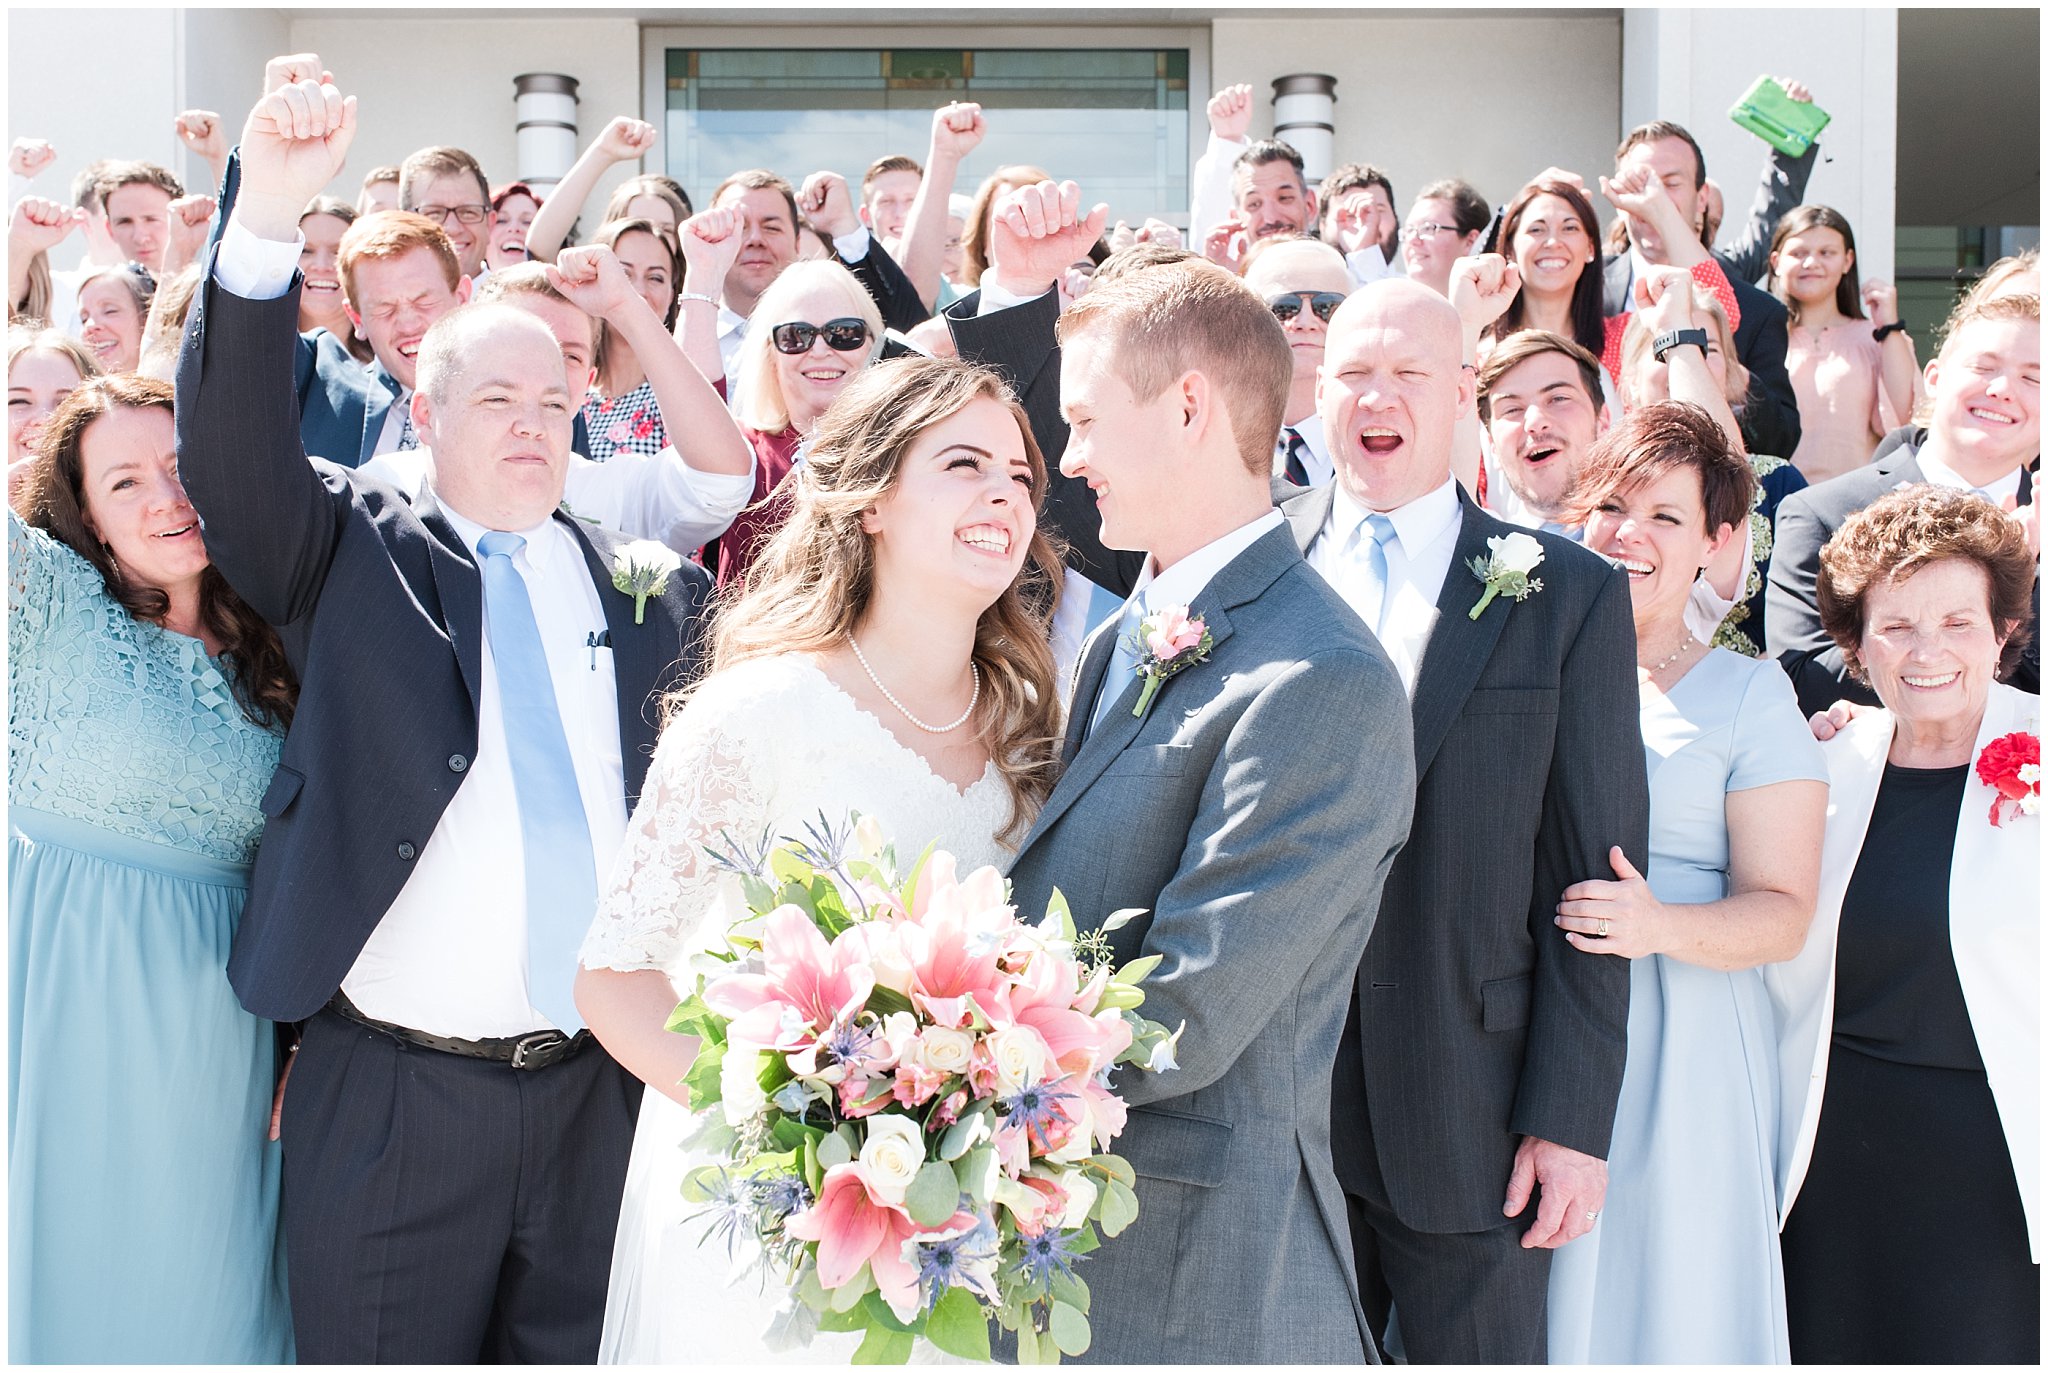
{"points": [[2011, 766]]}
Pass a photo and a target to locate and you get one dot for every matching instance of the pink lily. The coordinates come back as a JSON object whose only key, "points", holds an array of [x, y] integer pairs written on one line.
{"points": [[807, 985], [851, 1228]]}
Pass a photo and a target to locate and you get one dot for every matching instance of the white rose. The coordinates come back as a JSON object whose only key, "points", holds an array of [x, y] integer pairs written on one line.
{"points": [[1516, 553], [1019, 1058], [1080, 1199], [946, 1051], [655, 557], [739, 1086], [868, 839], [893, 1153]]}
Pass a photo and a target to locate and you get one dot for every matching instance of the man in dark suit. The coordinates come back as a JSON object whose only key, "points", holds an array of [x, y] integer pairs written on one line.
{"points": [[1484, 1054], [476, 717], [1665, 151], [1983, 434]]}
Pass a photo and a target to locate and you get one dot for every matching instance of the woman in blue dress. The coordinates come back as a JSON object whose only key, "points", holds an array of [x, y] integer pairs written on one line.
{"points": [[1682, 1265], [148, 704]]}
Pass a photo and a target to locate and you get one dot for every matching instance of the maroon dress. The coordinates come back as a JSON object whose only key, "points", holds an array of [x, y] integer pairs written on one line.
{"points": [[730, 554]]}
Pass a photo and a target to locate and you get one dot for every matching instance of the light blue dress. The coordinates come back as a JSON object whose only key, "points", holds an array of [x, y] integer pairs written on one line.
{"points": [[142, 1220], [1683, 1265]]}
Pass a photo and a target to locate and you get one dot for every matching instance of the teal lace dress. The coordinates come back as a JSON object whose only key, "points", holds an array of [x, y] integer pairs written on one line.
{"points": [[142, 1188]]}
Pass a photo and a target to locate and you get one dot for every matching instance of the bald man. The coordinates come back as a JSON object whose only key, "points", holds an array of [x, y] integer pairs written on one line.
{"points": [[1483, 1057], [1302, 282]]}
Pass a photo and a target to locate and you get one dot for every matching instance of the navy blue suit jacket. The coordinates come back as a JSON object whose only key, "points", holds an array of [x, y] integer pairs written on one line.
{"points": [[380, 607]]}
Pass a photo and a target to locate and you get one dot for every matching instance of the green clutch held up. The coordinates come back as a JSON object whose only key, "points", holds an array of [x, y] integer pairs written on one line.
{"points": [[1786, 124]]}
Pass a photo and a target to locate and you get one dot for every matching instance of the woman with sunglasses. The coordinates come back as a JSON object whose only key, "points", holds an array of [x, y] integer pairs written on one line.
{"points": [[1303, 282], [811, 333]]}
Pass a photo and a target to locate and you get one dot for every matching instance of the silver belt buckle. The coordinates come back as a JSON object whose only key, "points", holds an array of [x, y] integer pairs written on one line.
{"points": [[535, 1044]]}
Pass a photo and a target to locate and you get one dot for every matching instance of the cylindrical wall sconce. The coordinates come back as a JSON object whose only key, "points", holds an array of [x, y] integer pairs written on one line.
{"points": [[545, 103], [1305, 116]]}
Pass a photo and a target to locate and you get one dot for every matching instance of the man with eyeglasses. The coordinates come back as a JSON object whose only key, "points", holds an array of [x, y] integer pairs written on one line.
{"points": [[1303, 282], [449, 187]]}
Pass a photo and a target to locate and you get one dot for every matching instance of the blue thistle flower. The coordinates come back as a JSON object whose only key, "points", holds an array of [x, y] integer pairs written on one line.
{"points": [[1035, 1107], [964, 1260], [778, 1196], [1044, 1255]]}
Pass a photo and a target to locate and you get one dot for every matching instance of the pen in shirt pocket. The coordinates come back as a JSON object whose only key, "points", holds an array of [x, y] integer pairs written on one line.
{"points": [[595, 640]]}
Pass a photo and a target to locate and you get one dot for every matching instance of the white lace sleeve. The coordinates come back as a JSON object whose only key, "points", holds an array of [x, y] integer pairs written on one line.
{"points": [[704, 780]]}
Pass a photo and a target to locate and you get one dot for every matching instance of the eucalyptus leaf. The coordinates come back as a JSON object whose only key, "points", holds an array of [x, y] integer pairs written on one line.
{"points": [[1070, 1290], [847, 1295], [760, 896], [1115, 1166], [933, 1195], [880, 1314], [1029, 1342], [1069, 1330], [1117, 1208], [1085, 1241], [833, 1150]]}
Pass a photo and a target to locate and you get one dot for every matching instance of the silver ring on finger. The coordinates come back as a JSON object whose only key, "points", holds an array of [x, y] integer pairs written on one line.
{"points": [[1592, 1216], [1603, 929]]}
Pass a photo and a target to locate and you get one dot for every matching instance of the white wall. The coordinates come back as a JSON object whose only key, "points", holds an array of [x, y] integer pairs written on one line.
{"points": [[119, 101], [1488, 99], [1692, 65], [223, 53], [425, 81]]}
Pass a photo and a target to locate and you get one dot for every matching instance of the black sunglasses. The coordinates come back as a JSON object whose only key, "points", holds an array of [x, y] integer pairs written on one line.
{"points": [[1287, 304], [848, 335]]}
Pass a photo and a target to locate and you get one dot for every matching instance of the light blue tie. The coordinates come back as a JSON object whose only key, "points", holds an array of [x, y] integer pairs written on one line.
{"points": [[1380, 530], [561, 886], [1122, 664], [1103, 604]]}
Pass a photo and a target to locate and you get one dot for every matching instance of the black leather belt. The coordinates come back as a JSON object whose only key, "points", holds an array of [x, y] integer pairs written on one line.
{"points": [[528, 1052]]}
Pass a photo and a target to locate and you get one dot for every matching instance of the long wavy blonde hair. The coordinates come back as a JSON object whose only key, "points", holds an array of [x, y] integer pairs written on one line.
{"points": [[816, 578]]}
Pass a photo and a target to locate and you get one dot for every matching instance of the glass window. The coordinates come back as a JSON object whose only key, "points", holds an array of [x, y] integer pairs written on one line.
{"points": [[1115, 120]]}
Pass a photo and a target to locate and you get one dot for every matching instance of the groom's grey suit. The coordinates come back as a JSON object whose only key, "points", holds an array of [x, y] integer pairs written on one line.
{"points": [[1259, 851]]}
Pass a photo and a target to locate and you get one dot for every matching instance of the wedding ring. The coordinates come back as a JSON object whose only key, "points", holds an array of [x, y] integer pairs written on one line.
{"points": [[1592, 1216], [1603, 929]]}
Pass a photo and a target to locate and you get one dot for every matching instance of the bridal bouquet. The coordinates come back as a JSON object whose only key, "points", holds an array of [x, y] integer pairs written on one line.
{"points": [[913, 1098]]}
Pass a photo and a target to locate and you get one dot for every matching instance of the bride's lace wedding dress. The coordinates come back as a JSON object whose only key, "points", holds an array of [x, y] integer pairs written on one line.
{"points": [[768, 744]]}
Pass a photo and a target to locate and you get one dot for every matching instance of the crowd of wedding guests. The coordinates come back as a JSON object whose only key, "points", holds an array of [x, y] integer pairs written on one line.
{"points": [[1734, 1059]]}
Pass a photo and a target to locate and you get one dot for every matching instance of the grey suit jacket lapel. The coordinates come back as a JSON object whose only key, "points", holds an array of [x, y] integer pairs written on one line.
{"points": [[1308, 512], [1242, 579], [1458, 645], [1095, 660]]}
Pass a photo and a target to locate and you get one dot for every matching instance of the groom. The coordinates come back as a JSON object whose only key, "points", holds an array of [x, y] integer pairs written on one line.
{"points": [[1256, 850]]}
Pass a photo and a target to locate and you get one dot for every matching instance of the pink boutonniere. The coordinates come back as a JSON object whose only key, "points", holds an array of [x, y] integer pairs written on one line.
{"points": [[1167, 641], [2011, 766]]}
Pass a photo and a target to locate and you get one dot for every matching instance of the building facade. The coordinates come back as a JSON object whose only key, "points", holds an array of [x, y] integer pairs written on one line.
{"points": [[1933, 152]]}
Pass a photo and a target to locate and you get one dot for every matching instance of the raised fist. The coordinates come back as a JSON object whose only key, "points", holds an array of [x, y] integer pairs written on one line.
{"points": [[593, 280], [1037, 232], [29, 156], [39, 225], [280, 72], [711, 242], [295, 142], [1230, 113], [1482, 288], [201, 131], [1881, 302], [827, 205], [957, 129], [626, 139], [189, 216], [1663, 296]]}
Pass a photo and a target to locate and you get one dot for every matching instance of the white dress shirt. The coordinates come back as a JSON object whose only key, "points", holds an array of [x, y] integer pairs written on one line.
{"points": [[643, 496], [1320, 465], [449, 956], [1939, 473], [1418, 559], [1370, 264]]}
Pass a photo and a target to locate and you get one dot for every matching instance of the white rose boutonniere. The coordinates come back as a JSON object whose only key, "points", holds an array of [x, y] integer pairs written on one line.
{"points": [[641, 569], [1506, 573]]}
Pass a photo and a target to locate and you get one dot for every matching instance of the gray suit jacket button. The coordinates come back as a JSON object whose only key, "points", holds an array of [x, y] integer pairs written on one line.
{"points": [[457, 763], [406, 852]]}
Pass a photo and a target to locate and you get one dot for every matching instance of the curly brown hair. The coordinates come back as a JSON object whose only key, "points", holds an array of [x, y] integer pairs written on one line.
{"points": [[262, 680], [815, 579], [1895, 536]]}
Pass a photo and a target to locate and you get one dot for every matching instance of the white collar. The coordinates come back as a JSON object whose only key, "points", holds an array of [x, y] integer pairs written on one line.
{"points": [[1416, 524], [472, 533], [731, 321], [1941, 474], [1182, 583]]}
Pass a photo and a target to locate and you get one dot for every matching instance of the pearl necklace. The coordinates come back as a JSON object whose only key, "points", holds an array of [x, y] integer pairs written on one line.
{"points": [[1676, 654], [890, 696]]}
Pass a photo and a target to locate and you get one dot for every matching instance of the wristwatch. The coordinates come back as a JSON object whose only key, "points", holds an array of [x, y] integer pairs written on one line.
{"points": [[1678, 338], [1885, 331]]}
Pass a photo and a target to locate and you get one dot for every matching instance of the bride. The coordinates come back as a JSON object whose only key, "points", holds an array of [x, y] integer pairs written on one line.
{"points": [[883, 659]]}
